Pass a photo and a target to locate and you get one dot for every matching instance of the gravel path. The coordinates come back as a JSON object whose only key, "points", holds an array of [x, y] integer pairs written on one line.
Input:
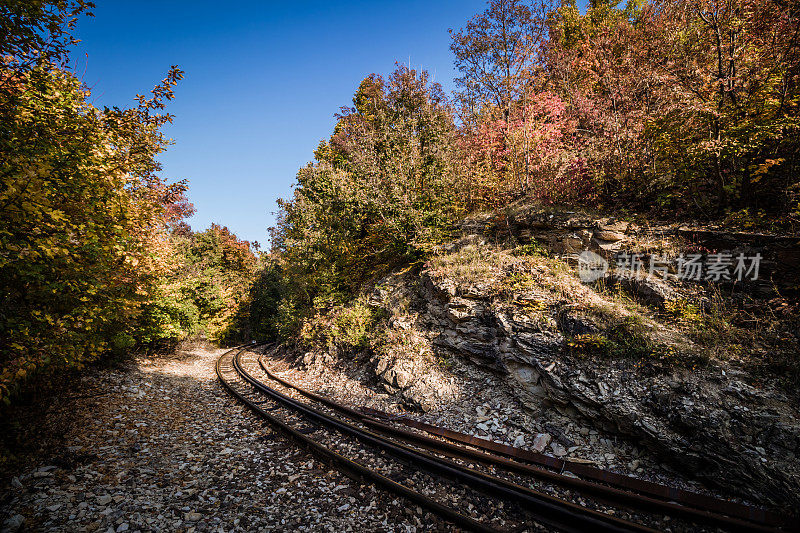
{"points": [[160, 446]]}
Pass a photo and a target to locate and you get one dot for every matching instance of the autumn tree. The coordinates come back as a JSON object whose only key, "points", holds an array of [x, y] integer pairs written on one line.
{"points": [[381, 189], [683, 105], [36, 32], [497, 55], [84, 212], [204, 290], [598, 63], [728, 78], [257, 316]]}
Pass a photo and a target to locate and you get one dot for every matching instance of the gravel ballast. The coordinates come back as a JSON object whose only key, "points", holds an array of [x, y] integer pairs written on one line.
{"points": [[160, 446]]}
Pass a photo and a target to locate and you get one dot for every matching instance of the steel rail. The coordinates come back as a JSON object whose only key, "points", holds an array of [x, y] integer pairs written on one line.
{"points": [[548, 510], [715, 513], [701, 501], [352, 467]]}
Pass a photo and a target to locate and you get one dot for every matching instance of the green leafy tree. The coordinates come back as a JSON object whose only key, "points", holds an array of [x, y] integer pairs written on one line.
{"points": [[204, 290], [258, 314], [84, 214], [382, 189], [83, 219]]}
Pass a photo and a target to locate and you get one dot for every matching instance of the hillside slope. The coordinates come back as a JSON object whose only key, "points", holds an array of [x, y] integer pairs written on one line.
{"points": [[669, 366]]}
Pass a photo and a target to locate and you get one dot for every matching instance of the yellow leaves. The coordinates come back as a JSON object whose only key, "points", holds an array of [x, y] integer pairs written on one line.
{"points": [[80, 230], [759, 171]]}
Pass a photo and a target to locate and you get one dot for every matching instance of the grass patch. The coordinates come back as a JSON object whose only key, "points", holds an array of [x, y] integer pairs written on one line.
{"points": [[631, 338], [471, 264], [684, 313], [532, 249]]}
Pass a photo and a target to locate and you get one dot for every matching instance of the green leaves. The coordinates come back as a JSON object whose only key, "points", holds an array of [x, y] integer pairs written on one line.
{"points": [[381, 190], [83, 220], [205, 289]]}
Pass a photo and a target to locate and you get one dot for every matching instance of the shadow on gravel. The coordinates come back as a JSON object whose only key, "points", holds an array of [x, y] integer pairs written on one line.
{"points": [[35, 430]]}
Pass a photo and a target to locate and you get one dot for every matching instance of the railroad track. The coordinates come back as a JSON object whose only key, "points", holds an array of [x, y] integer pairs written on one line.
{"points": [[474, 485]]}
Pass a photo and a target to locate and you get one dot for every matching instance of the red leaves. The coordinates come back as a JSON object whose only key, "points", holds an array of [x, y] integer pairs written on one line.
{"points": [[531, 153]]}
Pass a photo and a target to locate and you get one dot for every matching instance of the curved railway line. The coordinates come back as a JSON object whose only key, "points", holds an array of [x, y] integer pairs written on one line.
{"points": [[474, 484]]}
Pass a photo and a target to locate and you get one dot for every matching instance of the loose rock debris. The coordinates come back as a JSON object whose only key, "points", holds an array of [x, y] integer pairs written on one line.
{"points": [[167, 449]]}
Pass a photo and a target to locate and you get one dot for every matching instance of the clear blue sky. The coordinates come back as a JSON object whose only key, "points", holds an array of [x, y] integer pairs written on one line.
{"points": [[263, 81]]}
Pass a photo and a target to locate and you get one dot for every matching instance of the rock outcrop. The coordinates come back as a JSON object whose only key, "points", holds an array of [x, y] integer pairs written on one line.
{"points": [[707, 422]]}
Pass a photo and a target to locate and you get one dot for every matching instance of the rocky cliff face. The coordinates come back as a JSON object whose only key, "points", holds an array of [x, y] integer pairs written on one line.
{"points": [[572, 232], [708, 422]]}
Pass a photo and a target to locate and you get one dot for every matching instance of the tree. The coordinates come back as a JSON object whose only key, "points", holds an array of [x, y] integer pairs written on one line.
{"points": [[683, 105], [597, 62], [258, 313], [203, 291], [498, 54], [84, 212], [380, 191], [729, 80]]}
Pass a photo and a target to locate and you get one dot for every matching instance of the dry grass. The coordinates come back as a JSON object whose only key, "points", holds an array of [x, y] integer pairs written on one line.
{"points": [[473, 264]]}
